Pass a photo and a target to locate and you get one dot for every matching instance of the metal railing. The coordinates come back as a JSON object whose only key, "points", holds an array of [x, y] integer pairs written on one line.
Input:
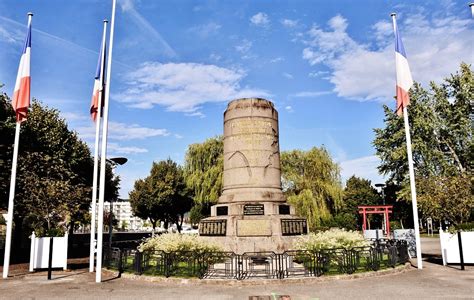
{"points": [[295, 263]]}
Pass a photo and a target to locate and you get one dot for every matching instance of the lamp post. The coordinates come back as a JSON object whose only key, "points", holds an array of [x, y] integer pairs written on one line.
{"points": [[381, 186], [114, 162]]}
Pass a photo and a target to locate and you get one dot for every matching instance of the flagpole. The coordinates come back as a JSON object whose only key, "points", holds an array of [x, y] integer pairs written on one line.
{"points": [[6, 259], [8, 241], [103, 158], [471, 5], [96, 154], [413, 189], [412, 177]]}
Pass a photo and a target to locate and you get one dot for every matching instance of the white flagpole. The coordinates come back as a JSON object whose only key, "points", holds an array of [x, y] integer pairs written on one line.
{"points": [[96, 154], [411, 172], [103, 158], [8, 242], [413, 190], [6, 259]]}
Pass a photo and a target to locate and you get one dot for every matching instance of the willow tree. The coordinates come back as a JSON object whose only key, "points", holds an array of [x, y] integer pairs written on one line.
{"points": [[203, 168], [312, 184]]}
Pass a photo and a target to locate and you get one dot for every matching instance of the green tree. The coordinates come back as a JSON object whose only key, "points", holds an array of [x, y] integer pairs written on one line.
{"points": [[162, 196], [54, 172], [203, 168], [447, 198], [441, 125], [358, 191], [312, 184]]}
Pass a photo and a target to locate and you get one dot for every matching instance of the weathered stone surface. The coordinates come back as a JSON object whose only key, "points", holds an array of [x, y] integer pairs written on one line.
{"points": [[251, 178], [254, 227]]}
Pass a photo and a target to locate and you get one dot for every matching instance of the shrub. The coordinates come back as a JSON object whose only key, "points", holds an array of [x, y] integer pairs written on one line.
{"points": [[175, 242], [333, 238]]}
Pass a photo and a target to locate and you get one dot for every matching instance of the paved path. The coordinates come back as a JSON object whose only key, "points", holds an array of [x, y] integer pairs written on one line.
{"points": [[433, 282]]}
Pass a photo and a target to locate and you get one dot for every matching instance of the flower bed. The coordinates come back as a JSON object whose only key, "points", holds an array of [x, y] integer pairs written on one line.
{"points": [[218, 264]]}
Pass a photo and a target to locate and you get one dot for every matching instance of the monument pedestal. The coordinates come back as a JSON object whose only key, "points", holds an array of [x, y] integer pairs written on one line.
{"points": [[253, 232], [252, 214]]}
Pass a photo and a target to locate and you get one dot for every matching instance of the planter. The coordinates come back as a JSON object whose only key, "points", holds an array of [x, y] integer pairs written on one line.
{"points": [[39, 253], [450, 247]]}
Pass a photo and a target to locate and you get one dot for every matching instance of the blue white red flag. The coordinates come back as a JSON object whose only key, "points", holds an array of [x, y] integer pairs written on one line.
{"points": [[404, 79], [21, 93], [98, 84]]}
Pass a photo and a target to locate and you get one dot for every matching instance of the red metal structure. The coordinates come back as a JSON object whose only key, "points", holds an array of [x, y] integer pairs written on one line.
{"points": [[376, 209]]}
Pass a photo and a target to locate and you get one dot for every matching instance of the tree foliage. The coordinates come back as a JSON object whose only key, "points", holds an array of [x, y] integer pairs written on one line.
{"points": [[162, 195], [358, 191], [203, 169], [54, 171], [441, 126], [312, 184]]}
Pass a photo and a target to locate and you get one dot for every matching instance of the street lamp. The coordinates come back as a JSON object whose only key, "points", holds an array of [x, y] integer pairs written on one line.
{"points": [[114, 162], [381, 186]]}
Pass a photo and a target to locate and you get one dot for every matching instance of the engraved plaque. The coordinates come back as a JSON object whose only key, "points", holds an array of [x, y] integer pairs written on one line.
{"points": [[294, 226], [222, 211], [212, 227], [254, 228], [253, 209]]}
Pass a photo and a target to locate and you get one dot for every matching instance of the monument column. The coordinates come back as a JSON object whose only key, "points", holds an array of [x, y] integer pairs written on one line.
{"points": [[252, 214]]}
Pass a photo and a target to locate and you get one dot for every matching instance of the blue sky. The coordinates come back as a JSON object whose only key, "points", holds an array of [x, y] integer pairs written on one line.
{"points": [[327, 65]]}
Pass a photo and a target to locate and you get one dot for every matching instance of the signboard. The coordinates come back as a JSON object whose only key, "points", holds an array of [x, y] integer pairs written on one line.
{"points": [[253, 210], [293, 226], [212, 227]]}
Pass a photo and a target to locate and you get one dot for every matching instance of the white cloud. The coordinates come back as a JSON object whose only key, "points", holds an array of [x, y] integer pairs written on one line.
{"points": [[366, 71], [178, 136], [147, 31], [10, 36], [289, 109], [260, 19], [122, 131], [116, 148], [215, 57], [317, 73], [287, 75], [306, 94], [71, 116], [184, 87], [277, 59], [365, 167], [205, 30], [244, 46], [289, 23]]}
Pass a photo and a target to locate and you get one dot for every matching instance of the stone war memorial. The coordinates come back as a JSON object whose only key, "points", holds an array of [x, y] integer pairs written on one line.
{"points": [[252, 214]]}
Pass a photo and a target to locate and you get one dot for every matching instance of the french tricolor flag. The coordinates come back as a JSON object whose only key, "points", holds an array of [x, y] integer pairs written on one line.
{"points": [[98, 85], [404, 79], [21, 94]]}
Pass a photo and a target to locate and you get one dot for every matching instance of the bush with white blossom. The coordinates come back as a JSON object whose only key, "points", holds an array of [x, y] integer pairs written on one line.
{"points": [[332, 238], [175, 242]]}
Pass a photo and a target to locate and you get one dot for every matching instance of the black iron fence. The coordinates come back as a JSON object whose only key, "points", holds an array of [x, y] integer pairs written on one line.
{"points": [[295, 263]]}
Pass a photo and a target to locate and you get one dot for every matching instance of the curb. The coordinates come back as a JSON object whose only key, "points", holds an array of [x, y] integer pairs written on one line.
{"points": [[233, 282]]}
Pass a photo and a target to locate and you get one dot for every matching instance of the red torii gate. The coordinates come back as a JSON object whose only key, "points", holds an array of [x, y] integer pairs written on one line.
{"points": [[376, 209]]}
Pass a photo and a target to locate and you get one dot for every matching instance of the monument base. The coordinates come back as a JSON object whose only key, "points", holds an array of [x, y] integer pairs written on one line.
{"points": [[241, 245], [251, 230]]}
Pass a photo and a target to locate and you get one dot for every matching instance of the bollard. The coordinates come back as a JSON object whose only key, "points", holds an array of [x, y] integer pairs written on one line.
{"points": [[461, 256], [50, 259]]}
